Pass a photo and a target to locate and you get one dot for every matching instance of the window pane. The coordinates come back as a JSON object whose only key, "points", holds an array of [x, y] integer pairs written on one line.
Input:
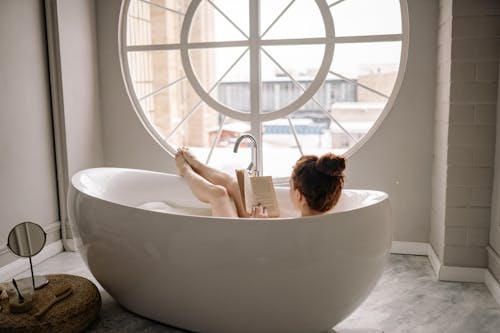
{"points": [[355, 59], [304, 11], [210, 25], [369, 84], [223, 157], [197, 131], [301, 62], [153, 70], [212, 65], [366, 17], [149, 25]]}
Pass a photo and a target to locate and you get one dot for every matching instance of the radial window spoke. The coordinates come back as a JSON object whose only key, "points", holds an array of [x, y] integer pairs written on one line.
{"points": [[163, 7], [328, 113], [359, 84], [335, 3], [216, 139], [159, 90], [282, 69], [227, 18], [277, 18], [195, 107], [216, 84], [313, 99], [295, 135]]}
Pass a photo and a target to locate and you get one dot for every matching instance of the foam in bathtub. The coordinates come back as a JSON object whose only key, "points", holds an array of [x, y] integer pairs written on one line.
{"points": [[164, 207]]}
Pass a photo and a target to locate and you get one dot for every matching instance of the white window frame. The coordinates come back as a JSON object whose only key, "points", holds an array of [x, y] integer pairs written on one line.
{"points": [[255, 118]]}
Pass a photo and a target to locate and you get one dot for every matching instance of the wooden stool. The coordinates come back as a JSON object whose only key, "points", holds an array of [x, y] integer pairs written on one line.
{"points": [[72, 314]]}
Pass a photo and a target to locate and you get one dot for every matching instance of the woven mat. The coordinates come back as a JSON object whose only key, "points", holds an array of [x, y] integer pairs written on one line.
{"points": [[72, 314]]}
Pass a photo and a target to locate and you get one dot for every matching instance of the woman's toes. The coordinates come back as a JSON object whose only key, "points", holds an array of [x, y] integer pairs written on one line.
{"points": [[180, 163], [190, 157]]}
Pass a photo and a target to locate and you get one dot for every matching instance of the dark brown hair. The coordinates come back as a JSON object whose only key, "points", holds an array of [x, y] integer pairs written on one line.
{"points": [[319, 179]]}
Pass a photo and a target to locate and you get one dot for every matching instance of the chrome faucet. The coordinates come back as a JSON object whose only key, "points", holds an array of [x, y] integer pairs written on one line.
{"points": [[252, 167]]}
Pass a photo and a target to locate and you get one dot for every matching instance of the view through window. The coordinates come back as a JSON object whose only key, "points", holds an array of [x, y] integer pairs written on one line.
{"points": [[302, 76]]}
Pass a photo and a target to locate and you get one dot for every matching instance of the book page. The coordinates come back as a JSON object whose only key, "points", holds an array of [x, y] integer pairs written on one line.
{"points": [[245, 186], [264, 193]]}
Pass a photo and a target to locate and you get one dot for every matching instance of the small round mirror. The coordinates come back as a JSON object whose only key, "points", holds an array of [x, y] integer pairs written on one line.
{"points": [[26, 239]]}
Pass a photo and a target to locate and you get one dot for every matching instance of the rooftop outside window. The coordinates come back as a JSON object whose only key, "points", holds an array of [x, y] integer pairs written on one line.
{"points": [[302, 76]]}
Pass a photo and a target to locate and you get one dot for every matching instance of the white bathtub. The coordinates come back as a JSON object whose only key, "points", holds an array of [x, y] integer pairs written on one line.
{"points": [[212, 274]]}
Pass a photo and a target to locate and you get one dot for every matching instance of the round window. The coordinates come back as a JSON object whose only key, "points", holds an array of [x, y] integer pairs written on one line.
{"points": [[301, 76]]}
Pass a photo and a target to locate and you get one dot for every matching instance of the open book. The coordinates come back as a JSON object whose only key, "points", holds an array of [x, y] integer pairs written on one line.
{"points": [[257, 189]]}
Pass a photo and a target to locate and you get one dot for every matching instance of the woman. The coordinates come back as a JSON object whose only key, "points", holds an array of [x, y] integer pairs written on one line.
{"points": [[315, 185]]}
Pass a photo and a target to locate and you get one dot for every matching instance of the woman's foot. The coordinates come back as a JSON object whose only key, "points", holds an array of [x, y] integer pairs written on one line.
{"points": [[181, 163], [191, 159]]}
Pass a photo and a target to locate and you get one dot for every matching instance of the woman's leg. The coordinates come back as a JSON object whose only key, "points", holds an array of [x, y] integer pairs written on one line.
{"points": [[216, 195], [216, 177]]}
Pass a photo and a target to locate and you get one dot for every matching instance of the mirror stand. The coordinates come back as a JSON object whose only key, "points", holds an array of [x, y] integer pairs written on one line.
{"points": [[26, 240], [39, 281]]}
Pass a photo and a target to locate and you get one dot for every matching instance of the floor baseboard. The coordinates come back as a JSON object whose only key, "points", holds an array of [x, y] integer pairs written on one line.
{"points": [[493, 285], [22, 264], [449, 273], [413, 248], [434, 259], [443, 273], [462, 274]]}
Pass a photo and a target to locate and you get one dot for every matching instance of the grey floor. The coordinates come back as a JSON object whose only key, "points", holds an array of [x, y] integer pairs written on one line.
{"points": [[408, 298]]}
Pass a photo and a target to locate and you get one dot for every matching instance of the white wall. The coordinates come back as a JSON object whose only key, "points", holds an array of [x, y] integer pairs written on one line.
{"points": [[28, 190], [125, 141], [397, 159], [80, 84]]}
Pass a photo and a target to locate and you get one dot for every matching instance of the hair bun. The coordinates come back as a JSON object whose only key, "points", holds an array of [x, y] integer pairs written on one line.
{"points": [[331, 164]]}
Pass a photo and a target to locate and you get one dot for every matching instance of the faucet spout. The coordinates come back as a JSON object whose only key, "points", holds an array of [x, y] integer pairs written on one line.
{"points": [[254, 162]]}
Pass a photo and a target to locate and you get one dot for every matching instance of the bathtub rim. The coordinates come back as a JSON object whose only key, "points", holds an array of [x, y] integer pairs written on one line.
{"points": [[380, 196]]}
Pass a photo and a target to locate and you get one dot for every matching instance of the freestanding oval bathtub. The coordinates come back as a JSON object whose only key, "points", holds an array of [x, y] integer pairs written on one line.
{"points": [[160, 254]]}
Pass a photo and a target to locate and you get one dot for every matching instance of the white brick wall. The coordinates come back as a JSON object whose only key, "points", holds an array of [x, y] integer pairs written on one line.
{"points": [[477, 237], [461, 114], [486, 71], [481, 197], [475, 7], [484, 156], [467, 89], [463, 256], [472, 217], [474, 49], [455, 236], [463, 71], [473, 92], [460, 156], [470, 134]]}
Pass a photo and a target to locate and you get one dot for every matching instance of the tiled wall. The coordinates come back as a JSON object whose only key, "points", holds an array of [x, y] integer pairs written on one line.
{"points": [[467, 84]]}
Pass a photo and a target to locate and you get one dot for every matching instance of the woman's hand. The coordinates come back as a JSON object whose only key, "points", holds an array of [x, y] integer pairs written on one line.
{"points": [[259, 211]]}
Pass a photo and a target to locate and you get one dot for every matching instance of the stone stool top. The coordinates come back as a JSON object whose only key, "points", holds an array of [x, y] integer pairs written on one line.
{"points": [[72, 314]]}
